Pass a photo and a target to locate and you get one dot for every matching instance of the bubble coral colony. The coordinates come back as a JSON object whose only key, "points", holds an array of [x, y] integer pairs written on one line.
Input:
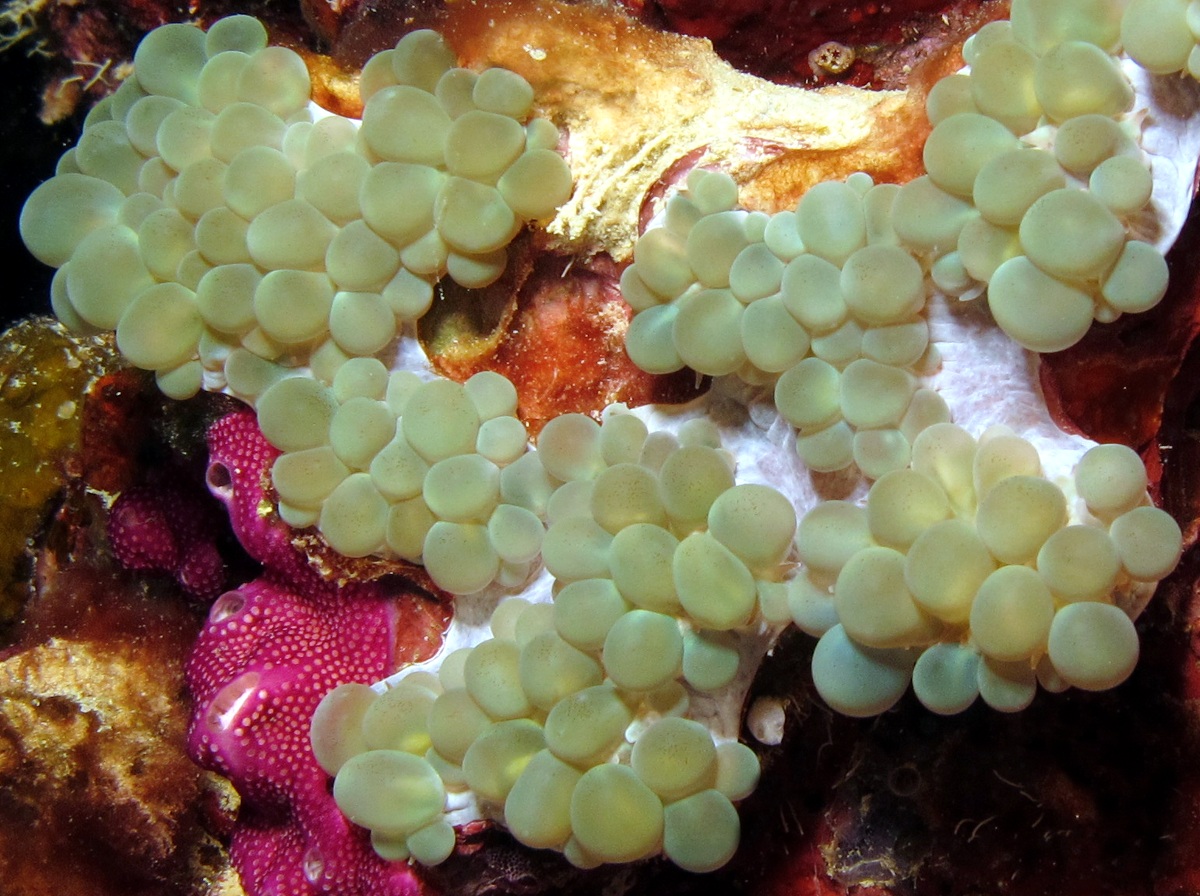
{"points": [[617, 585]]}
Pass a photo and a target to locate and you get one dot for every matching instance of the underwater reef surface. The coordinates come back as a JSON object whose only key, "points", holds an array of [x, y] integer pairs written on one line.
{"points": [[121, 548]]}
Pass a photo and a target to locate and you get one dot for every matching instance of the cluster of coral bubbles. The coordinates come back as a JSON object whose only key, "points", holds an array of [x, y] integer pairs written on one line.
{"points": [[236, 240]]}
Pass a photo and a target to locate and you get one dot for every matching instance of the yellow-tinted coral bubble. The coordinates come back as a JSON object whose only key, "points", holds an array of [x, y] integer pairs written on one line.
{"points": [[586, 727], [359, 429], [650, 340], [62, 211], [1041, 26], [1093, 646], [480, 145], [494, 762], [104, 151], [1138, 280], [421, 57], [809, 395], [552, 669], [160, 327], [408, 523], [756, 522], [440, 420], [1070, 234], [901, 505], [856, 680], [473, 217], [675, 758], [1079, 563], [405, 124], [502, 91], [945, 678], [538, 808], [585, 610], [358, 260], [701, 832], [945, 567], [169, 60], [949, 96], [1148, 541], [218, 83], [1156, 34], [880, 451], [459, 557], [1011, 615], [397, 199], [275, 78], [1111, 479], [292, 234], [874, 603], [626, 494], [492, 676], [830, 534], [1078, 78], [946, 453], [354, 517], [398, 720], [1002, 454], [771, 338], [928, 218], [306, 478], [882, 284], [1003, 85], [336, 728], [361, 323], [643, 650], [464, 488], [1036, 310], [873, 395], [831, 222], [455, 721], [164, 237], [984, 246], [1005, 686], [707, 331], [640, 559], [293, 306], [502, 440], [389, 791], [1017, 516], [812, 293], [1123, 184], [432, 844], [959, 146], [713, 244], [1012, 181], [614, 816], [221, 237], [714, 586], [1084, 142], [239, 32], [536, 184], [710, 659], [660, 261]]}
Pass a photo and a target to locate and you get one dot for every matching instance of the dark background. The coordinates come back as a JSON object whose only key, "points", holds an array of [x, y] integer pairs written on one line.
{"points": [[29, 151]]}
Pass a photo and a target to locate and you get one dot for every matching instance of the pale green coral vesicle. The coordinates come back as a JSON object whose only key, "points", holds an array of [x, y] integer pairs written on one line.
{"points": [[971, 575], [229, 233]]}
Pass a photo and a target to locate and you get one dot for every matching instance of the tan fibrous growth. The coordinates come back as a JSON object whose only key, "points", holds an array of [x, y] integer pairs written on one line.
{"points": [[227, 233], [972, 575]]}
